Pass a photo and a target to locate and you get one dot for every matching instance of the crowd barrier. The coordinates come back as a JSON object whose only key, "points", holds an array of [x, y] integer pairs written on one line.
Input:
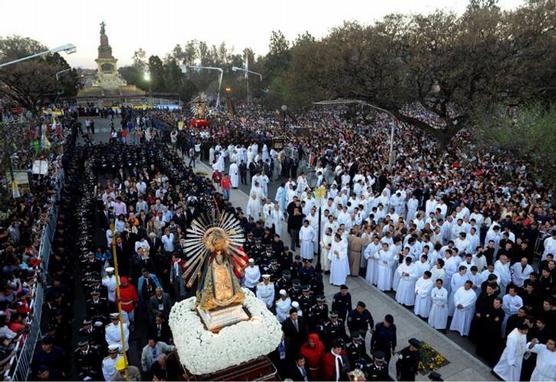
{"points": [[19, 365]]}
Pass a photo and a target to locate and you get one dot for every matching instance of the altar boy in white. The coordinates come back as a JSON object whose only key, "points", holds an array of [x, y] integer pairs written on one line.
{"points": [[423, 288]]}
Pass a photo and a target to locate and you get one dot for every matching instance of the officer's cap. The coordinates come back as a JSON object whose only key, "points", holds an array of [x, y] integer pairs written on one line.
{"points": [[415, 343]]}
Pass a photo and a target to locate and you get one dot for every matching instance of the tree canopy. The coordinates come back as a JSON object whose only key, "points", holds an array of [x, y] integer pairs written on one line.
{"points": [[33, 83]]}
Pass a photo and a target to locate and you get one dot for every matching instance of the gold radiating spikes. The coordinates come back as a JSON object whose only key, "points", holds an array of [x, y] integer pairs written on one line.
{"points": [[196, 251]]}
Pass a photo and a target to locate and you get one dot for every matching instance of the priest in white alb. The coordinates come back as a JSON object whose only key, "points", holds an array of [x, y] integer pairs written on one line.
{"points": [[423, 301], [384, 260], [464, 301], [372, 263], [438, 317], [508, 367], [234, 175], [405, 294], [339, 263]]}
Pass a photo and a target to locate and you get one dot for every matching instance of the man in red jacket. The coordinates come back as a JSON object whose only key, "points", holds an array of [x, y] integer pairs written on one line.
{"points": [[335, 365], [128, 298], [226, 184]]}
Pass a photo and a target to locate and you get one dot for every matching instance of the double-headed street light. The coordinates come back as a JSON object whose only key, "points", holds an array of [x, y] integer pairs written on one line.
{"points": [[199, 67], [68, 48], [246, 70]]}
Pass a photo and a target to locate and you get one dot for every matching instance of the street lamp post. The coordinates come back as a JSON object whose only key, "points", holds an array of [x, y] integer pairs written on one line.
{"points": [[68, 48], [147, 77], [246, 71], [198, 67]]}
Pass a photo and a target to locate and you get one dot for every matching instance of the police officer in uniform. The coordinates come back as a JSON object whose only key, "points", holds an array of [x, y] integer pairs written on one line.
{"points": [[306, 300], [97, 306], [408, 362], [284, 282], [377, 370], [318, 314], [94, 332], [341, 303], [360, 320], [295, 267], [87, 360], [295, 291], [356, 349], [333, 329]]}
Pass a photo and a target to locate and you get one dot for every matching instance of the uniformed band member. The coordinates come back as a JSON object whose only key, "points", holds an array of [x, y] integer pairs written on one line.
{"points": [[408, 361]]}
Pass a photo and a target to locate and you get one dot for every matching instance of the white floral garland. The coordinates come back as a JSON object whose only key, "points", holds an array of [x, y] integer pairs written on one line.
{"points": [[204, 352]]}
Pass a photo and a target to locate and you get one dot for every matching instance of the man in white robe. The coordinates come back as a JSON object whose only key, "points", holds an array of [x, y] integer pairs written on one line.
{"points": [[438, 317], [306, 239], [545, 370], [405, 294], [502, 268], [339, 263], [464, 301], [458, 280], [423, 301], [520, 272], [277, 219], [372, 262], [385, 260], [412, 205], [254, 207], [234, 175], [508, 367]]}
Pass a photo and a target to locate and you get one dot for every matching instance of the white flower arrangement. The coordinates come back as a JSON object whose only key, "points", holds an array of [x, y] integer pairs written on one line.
{"points": [[204, 352]]}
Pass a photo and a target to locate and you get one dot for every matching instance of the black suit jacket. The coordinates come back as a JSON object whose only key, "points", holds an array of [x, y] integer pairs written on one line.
{"points": [[296, 337], [295, 374]]}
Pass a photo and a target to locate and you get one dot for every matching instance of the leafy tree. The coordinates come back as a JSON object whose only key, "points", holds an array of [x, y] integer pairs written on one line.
{"points": [[33, 83], [527, 133]]}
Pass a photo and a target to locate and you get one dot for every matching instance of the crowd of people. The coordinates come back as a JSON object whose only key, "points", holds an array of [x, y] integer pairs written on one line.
{"points": [[26, 218], [463, 237]]}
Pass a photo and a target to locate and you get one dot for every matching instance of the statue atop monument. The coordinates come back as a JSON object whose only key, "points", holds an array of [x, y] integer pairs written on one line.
{"points": [[108, 85], [104, 49]]}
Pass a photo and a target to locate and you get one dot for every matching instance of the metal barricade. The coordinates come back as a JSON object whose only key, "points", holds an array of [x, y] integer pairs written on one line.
{"points": [[20, 364]]}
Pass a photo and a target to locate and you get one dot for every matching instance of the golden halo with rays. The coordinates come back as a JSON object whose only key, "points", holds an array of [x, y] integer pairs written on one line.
{"points": [[208, 235]]}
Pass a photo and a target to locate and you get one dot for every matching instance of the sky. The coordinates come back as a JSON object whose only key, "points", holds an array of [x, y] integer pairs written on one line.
{"points": [[157, 26]]}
